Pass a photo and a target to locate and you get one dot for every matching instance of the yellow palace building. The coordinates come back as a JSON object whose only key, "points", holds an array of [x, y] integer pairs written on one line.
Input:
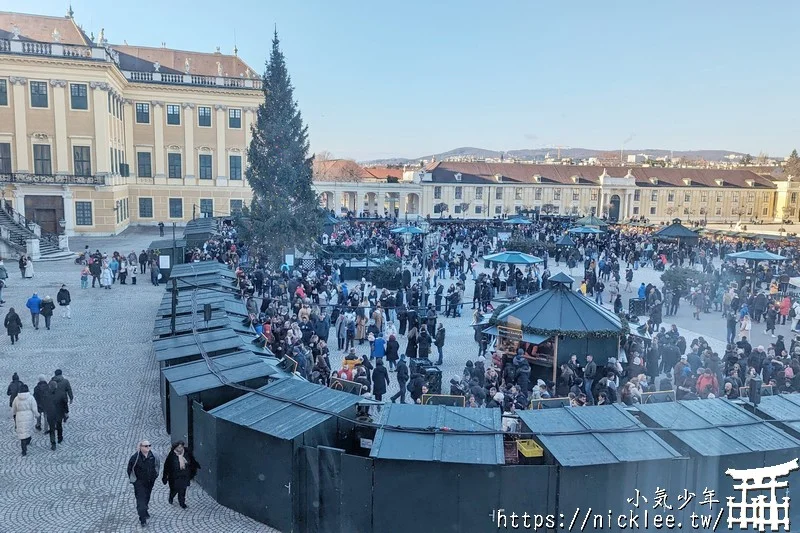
{"points": [[97, 136]]}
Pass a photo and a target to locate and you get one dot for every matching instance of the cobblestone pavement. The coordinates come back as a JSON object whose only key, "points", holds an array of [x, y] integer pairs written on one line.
{"points": [[105, 352]]}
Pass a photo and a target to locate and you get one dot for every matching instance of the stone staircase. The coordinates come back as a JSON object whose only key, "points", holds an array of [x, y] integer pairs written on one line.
{"points": [[19, 231]]}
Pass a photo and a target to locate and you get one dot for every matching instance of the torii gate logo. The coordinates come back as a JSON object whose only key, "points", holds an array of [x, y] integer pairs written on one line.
{"points": [[758, 511]]}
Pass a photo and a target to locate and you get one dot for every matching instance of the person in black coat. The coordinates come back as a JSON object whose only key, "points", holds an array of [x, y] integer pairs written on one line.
{"points": [[380, 380], [417, 382], [55, 408], [13, 324], [424, 342], [392, 351], [13, 388], [180, 468], [402, 379], [144, 466]]}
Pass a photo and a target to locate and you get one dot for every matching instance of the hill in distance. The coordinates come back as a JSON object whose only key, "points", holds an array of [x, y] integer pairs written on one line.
{"points": [[535, 154]]}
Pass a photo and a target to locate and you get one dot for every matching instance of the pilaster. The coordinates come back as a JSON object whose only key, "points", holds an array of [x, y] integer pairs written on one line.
{"points": [[158, 144], [101, 127], [222, 153], [189, 152], [59, 90], [18, 86]]}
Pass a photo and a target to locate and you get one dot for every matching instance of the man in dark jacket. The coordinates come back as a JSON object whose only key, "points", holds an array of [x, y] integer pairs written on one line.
{"points": [[95, 269], [13, 388], [424, 342], [380, 379], [55, 410], [144, 466], [64, 299], [440, 333], [40, 391], [143, 259], [417, 382], [589, 375], [65, 387], [402, 379]]}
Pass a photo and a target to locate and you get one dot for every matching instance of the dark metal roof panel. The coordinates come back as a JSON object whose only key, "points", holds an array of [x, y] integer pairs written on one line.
{"points": [[186, 345], [281, 419], [440, 446], [200, 368], [167, 244], [781, 408], [589, 441], [257, 369], [204, 281], [200, 268], [697, 424]]}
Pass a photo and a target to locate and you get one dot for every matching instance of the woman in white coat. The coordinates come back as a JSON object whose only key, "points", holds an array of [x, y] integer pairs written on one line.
{"points": [[25, 412], [29, 268], [745, 325], [106, 277]]}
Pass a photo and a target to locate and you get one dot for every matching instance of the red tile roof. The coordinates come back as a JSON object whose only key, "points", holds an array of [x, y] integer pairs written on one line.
{"points": [[340, 170], [40, 28], [384, 172], [481, 172], [200, 63]]}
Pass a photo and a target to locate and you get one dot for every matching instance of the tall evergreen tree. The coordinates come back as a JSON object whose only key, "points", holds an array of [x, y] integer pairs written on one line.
{"points": [[285, 212], [792, 167]]}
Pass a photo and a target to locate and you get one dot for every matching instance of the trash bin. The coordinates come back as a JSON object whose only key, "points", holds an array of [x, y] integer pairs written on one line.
{"points": [[636, 307]]}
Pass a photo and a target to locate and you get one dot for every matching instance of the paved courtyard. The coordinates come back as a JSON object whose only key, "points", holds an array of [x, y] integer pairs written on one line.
{"points": [[105, 352]]}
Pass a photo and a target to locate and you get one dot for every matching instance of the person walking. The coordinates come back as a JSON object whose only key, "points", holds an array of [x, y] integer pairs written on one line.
{"points": [[34, 305], [380, 380], [40, 392], [13, 388], [143, 262], [439, 341], [55, 407], [64, 300], [3, 278], [142, 473], [402, 380], [13, 324], [47, 308], [28, 274], [65, 387], [180, 468], [25, 413]]}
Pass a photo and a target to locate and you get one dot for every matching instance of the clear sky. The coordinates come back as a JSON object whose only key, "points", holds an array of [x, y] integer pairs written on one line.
{"points": [[410, 78]]}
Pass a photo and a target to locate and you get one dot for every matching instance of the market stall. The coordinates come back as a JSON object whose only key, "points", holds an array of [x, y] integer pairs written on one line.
{"points": [[551, 325]]}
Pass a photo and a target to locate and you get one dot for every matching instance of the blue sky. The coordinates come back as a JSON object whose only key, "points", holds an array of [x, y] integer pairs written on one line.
{"points": [[379, 79]]}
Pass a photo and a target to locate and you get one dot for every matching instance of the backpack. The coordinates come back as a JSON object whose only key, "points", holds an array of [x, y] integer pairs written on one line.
{"points": [[792, 313]]}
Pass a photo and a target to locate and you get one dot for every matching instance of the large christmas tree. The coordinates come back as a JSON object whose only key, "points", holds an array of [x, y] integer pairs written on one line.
{"points": [[284, 213]]}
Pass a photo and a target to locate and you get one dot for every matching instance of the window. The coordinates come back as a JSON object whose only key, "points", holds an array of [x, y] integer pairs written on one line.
{"points": [[637, 196], [234, 118], [174, 165], [704, 197], [459, 193], [686, 211], [498, 210], [77, 95], [766, 196], [236, 206], [765, 211], [670, 196], [518, 194], [144, 168], [735, 197], [174, 115], [654, 196], [175, 208], [719, 197], [718, 211], [751, 197], [204, 117], [38, 94], [556, 194], [142, 113], [594, 195], [792, 197], [653, 210], [636, 210], [687, 197], [205, 167], [437, 193], [83, 213], [479, 193], [478, 209], [41, 159], [82, 160], [498, 193], [145, 208], [537, 194], [576, 195], [207, 206], [3, 92], [518, 209], [5, 158], [457, 209], [235, 163]]}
